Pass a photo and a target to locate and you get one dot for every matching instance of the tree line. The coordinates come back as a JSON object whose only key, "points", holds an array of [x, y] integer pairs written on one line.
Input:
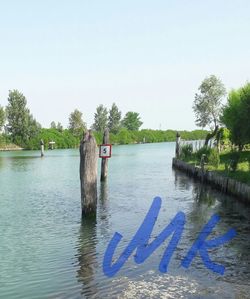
{"points": [[21, 128]]}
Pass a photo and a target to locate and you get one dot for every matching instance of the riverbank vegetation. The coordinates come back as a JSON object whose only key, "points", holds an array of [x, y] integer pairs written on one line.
{"points": [[229, 151], [230, 163]]}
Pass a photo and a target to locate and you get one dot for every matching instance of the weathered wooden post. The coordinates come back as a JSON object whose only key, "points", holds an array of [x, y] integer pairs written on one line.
{"points": [[88, 174], [104, 167], [42, 147], [177, 145]]}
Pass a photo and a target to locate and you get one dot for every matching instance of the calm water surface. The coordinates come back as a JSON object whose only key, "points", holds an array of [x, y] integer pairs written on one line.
{"points": [[46, 251]]}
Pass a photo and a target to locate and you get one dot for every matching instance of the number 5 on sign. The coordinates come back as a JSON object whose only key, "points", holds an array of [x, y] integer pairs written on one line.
{"points": [[105, 151]]}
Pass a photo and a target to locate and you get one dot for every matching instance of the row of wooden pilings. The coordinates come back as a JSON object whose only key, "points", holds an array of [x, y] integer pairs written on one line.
{"points": [[88, 171]]}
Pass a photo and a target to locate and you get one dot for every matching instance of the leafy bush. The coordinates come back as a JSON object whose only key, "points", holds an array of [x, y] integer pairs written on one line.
{"points": [[214, 158], [205, 150], [63, 139], [186, 151]]}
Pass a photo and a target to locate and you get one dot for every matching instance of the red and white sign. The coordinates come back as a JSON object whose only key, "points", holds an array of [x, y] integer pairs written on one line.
{"points": [[105, 151]]}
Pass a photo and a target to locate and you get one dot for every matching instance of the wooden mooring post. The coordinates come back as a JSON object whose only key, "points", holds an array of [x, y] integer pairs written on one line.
{"points": [[88, 174], [104, 167], [42, 148], [178, 145]]}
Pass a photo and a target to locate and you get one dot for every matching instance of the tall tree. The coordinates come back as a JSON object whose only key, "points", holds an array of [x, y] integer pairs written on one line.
{"points": [[100, 119], [76, 124], [53, 125], [132, 121], [59, 127], [21, 123], [114, 122], [236, 115], [208, 104], [2, 117]]}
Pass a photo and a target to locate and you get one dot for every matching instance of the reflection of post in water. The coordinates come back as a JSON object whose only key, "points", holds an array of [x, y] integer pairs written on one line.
{"points": [[103, 192], [200, 211], [103, 210], [202, 194], [87, 257], [181, 180]]}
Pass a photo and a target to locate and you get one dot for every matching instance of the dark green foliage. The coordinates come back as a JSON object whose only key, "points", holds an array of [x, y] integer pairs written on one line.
{"points": [[59, 127], [223, 136], [114, 122], [2, 117], [98, 137], [186, 151], [125, 136], [132, 121], [76, 124], [236, 165], [236, 115], [23, 126], [64, 139], [205, 150], [53, 125], [100, 119], [214, 158]]}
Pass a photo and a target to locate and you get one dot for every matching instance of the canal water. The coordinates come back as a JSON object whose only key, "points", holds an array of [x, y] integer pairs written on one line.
{"points": [[46, 251]]}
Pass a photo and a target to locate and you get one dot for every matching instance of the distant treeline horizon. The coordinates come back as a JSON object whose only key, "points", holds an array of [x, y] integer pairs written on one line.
{"points": [[22, 129], [65, 139]]}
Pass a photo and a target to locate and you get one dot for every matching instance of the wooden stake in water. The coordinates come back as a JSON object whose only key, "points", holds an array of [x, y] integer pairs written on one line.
{"points": [[104, 168], [42, 147], [177, 146], [88, 174]]}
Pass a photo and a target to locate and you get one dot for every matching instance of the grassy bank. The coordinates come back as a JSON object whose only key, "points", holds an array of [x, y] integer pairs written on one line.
{"points": [[242, 172], [235, 165], [7, 145]]}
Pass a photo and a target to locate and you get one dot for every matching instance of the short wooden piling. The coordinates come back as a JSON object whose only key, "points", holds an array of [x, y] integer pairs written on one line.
{"points": [[88, 174], [104, 167], [42, 147], [178, 145]]}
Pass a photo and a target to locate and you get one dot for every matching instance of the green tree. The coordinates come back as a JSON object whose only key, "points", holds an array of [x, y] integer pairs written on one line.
{"points": [[2, 117], [100, 119], [236, 115], [132, 121], [59, 127], [53, 125], [208, 104], [21, 123], [114, 122], [76, 124]]}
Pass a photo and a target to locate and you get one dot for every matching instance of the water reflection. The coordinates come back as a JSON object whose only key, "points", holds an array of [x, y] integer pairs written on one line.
{"points": [[181, 181], [87, 261], [22, 163], [202, 195], [2, 162], [206, 201], [103, 193], [103, 212]]}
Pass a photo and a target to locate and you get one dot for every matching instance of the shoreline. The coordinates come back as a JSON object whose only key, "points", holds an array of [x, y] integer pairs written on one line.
{"points": [[224, 184], [10, 148]]}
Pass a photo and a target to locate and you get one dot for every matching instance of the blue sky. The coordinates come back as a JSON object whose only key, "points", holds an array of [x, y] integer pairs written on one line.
{"points": [[147, 56]]}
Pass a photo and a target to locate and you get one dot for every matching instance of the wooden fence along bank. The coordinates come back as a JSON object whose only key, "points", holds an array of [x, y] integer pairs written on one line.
{"points": [[221, 183]]}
